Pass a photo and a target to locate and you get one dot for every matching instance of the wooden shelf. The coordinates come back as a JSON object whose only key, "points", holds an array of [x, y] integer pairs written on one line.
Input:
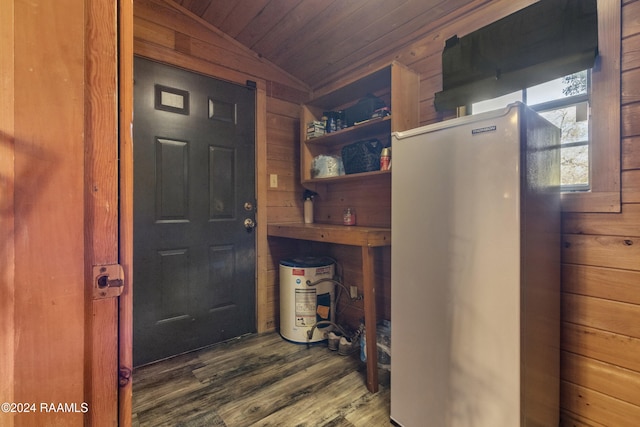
{"points": [[394, 83], [354, 133], [331, 233], [349, 177]]}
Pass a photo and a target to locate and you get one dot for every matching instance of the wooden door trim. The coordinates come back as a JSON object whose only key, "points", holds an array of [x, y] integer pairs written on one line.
{"points": [[125, 91], [262, 296]]}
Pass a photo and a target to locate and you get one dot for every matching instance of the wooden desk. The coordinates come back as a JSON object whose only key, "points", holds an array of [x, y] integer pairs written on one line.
{"points": [[367, 238]]}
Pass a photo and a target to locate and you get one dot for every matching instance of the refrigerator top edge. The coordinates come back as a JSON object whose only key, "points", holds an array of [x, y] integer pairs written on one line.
{"points": [[513, 108]]}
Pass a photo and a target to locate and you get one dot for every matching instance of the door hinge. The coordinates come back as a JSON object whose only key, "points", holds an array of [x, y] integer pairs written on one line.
{"points": [[124, 376], [108, 281]]}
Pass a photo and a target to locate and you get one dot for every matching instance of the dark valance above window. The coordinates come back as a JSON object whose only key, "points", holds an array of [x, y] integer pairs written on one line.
{"points": [[542, 42]]}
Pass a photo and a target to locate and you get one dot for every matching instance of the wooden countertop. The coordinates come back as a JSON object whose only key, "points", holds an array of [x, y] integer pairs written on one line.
{"points": [[333, 233]]}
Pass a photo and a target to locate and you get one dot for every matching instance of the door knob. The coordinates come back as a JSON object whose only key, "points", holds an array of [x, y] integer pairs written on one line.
{"points": [[249, 224]]}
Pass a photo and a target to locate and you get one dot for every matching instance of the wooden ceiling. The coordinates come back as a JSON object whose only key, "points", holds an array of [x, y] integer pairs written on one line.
{"points": [[316, 39]]}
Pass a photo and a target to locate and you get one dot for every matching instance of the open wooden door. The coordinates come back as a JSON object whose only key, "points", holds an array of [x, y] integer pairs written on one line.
{"points": [[59, 211]]}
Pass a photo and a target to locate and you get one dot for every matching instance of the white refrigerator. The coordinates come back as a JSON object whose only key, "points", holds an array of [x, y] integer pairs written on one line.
{"points": [[475, 278]]}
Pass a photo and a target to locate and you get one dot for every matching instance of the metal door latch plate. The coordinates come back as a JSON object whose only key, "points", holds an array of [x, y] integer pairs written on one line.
{"points": [[108, 281]]}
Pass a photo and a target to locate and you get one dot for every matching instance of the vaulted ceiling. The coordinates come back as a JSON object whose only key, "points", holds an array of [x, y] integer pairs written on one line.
{"points": [[312, 39]]}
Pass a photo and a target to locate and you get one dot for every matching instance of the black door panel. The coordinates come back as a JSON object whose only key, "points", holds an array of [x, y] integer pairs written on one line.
{"points": [[194, 169]]}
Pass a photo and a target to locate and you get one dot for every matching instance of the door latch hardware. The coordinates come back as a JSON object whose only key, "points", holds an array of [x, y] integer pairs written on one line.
{"points": [[108, 281], [249, 224]]}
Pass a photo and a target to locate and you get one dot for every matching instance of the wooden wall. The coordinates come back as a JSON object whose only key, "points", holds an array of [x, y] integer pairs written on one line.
{"points": [[284, 202], [601, 278]]}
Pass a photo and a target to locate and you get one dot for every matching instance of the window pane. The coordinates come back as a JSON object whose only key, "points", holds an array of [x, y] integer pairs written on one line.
{"points": [[574, 165], [574, 84], [496, 103], [574, 128], [572, 120]]}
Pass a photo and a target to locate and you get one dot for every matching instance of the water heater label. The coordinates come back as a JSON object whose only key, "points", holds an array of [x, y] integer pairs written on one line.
{"points": [[297, 272], [323, 270], [305, 300], [484, 129]]}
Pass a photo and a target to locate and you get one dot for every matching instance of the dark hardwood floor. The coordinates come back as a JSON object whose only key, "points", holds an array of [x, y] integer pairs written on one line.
{"points": [[258, 380]]}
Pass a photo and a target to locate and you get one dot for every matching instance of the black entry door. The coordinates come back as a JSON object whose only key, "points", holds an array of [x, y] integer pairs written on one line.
{"points": [[194, 198]]}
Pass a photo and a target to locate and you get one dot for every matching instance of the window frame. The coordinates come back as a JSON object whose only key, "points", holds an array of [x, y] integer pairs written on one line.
{"points": [[604, 194]]}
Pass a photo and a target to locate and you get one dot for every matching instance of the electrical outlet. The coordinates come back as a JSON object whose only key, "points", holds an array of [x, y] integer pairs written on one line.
{"points": [[354, 292], [273, 180]]}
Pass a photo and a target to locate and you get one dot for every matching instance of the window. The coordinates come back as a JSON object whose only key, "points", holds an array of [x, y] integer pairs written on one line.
{"points": [[565, 103], [603, 194]]}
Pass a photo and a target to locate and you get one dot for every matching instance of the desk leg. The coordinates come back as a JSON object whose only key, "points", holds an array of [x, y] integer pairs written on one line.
{"points": [[370, 319]]}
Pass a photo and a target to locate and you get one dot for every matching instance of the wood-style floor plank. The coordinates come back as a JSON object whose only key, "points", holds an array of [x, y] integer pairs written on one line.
{"points": [[258, 380]]}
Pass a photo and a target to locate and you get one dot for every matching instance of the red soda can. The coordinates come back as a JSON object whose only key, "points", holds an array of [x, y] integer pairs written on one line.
{"points": [[385, 159]]}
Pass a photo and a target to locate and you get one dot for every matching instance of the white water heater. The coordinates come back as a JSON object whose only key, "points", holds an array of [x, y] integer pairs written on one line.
{"points": [[301, 305]]}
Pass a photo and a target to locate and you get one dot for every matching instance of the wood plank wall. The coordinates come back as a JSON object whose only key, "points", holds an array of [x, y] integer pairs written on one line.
{"points": [[284, 202], [601, 278]]}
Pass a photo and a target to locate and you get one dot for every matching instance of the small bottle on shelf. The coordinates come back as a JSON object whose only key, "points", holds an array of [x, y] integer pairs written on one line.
{"points": [[331, 124], [308, 211], [307, 197]]}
